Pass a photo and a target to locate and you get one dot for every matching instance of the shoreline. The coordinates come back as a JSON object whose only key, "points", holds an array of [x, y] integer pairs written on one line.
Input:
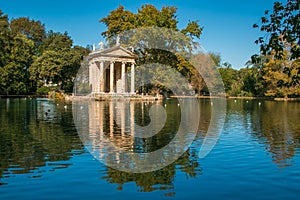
{"points": [[267, 98], [23, 96], [145, 98], [246, 98]]}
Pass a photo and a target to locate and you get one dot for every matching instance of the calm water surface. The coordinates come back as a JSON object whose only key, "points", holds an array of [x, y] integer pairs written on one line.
{"points": [[42, 155]]}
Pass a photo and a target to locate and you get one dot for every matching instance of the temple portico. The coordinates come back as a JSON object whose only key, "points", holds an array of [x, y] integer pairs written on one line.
{"points": [[110, 70]]}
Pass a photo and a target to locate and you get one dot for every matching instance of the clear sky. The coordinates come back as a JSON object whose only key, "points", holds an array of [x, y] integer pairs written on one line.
{"points": [[227, 23]]}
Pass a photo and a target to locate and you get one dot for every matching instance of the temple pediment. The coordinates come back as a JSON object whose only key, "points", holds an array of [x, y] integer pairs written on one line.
{"points": [[114, 52]]}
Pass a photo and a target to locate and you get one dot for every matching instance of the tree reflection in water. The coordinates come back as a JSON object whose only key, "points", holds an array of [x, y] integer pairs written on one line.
{"points": [[274, 123], [31, 139], [35, 133], [115, 121]]}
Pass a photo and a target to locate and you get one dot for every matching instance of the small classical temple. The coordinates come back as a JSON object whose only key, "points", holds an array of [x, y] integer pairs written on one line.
{"points": [[110, 70]]}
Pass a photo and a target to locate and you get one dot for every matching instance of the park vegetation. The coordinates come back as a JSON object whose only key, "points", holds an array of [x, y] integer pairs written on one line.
{"points": [[33, 60]]}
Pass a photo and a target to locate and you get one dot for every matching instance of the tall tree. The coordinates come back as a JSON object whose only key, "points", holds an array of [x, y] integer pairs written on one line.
{"points": [[32, 29], [282, 77], [58, 63], [56, 41], [4, 39], [29, 56], [282, 30], [144, 24], [279, 61], [14, 75]]}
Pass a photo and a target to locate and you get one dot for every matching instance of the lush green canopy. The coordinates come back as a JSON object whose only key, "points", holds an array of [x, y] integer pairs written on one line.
{"points": [[278, 63], [31, 58], [156, 38]]}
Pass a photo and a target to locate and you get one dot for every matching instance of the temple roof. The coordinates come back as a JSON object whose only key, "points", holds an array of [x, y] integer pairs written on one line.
{"points": [[114, 52]]}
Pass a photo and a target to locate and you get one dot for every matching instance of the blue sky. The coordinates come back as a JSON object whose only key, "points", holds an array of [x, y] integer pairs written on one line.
{"points": [[227, 23]]}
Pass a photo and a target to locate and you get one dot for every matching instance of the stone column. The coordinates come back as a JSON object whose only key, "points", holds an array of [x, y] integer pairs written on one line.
{"points": [[101, 76], [112, 64], [91, 77], [123, 77], [97, 78], [132, 79]]}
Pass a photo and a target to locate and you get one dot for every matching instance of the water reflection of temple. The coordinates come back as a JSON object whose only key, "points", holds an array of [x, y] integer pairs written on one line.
{"points": [[115, 122]]}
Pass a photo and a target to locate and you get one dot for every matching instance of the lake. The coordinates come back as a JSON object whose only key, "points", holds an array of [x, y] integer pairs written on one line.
{"points": [[56, 150]]}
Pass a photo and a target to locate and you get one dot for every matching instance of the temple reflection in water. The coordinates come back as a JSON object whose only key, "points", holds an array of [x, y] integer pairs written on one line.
{"points": [[265, 137], [113, 120], [136, 133]]}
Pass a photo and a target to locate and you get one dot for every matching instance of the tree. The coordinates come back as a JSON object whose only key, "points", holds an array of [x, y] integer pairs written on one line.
{"points": [[12, 79], [29, 56], [278, 64], [250, 86], [14, 76], [74, 58], [32, 29], [282, 77], [141, 28], [282, 28], [216, 58], [4, 39], [56, 41], [228, 76], [58, 63], [118, 21], [121, 20]]}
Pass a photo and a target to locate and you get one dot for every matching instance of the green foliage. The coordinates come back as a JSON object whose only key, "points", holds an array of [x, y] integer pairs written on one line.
{"points": [[32, 29], [193, 29], [138, 30], [19, 56], [22, 50], [282, 28], [120, 20], [47, 67], [58, 67], [43, 90], [56, 41], [243, 82], [12, 79], [278, 64], [216, 57], [4, 39], [228, 75], [282, 78], [29, 57]]}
